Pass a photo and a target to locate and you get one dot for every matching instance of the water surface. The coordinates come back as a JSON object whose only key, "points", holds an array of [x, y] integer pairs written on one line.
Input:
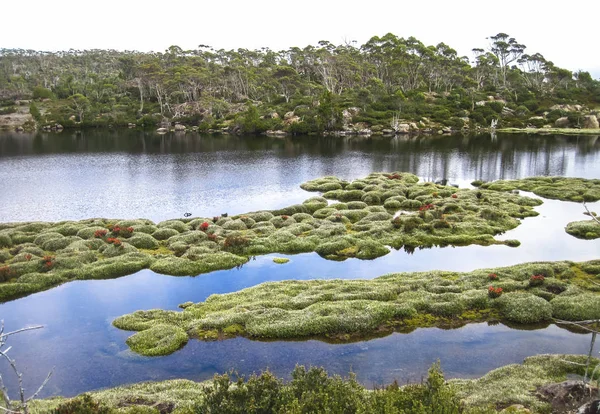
{"points": [[127, 174]]}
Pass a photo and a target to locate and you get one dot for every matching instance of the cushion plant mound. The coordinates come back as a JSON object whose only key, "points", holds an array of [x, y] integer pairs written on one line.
{"points": [[394, 209], [358, 308], [585, 229], [525, 308], [158, 340], [559, 188]]}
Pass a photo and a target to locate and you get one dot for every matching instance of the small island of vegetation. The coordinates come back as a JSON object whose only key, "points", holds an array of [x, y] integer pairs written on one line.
{"points": [[370, 214]]}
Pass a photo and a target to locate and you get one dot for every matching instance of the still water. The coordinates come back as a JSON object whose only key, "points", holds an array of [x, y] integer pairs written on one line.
{"points": [[126, 174]]}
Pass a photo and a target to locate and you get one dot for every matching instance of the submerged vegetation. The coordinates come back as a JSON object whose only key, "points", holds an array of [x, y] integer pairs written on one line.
{"points": [[373, 213], [387, 85], [350, 309], [312, 390]]}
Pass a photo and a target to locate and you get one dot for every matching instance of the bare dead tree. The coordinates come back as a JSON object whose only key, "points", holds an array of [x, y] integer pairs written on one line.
{"points": [[19, 406], [589, 213], [590, 326]]}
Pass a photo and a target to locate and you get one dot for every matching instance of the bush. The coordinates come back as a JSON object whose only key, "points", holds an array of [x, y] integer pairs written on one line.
{"points": [[83, 404]]}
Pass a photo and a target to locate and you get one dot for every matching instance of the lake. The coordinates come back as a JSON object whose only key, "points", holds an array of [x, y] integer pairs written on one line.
{"points": [[130, 174]]}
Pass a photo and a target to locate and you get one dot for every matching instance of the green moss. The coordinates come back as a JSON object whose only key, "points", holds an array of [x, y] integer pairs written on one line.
{"points": [[177, 225], [524, 308], [205, 263], [280, 260], [143, 241], [358, 307], [576, 307], [585, 229], [164, 233], [88, 232], [158, 340], [559, 188], [5, 240]]}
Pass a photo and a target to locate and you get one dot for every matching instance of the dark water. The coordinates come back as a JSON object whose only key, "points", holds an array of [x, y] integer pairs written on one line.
{"points": [[129, 174], [126, 174]]}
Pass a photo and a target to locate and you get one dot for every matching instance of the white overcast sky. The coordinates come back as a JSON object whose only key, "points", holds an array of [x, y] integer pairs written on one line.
{"points": [[564, 32]]}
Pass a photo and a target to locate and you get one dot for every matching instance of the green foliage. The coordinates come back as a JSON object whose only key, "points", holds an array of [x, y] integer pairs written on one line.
{"points": [[83, 404]]}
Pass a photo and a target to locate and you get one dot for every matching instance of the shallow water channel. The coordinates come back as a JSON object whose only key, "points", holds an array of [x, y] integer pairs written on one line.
{"points": [[126, 174]]}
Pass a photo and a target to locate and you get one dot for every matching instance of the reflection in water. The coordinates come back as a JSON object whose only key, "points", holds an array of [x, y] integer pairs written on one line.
{"points": [[130, 174], [127, 173], [89, 353]]}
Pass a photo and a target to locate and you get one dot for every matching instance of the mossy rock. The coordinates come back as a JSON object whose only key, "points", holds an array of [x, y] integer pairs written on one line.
{"points": [[158, 340]]}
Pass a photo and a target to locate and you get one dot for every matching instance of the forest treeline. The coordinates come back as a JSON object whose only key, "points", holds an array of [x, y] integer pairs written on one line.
{"points": [[387, 83]]}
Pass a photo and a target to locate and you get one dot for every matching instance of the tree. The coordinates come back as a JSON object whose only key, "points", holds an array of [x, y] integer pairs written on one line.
{"points": [[80, 104], [507, 50]]}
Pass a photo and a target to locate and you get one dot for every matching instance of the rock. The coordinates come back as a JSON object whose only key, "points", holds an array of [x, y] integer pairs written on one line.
{"points": [[274, 115], [20, 129], [403, 129], [387, 131], [480, 103], [72, 118], [180, 127], [413, 125], [277, 133], [593, 407], [590, 122], [131, 125], [288, 115], [162, 130], [562, 122], [567, 395], [364, 132], [447, 130], [291, 120], [59, 127]]}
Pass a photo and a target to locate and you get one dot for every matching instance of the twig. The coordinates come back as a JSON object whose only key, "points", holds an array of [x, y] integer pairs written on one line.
{"points": [[590, 214], [42, 386], [31, 328]]}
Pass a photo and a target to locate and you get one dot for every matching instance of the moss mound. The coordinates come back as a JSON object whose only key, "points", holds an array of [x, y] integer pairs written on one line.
{"points": [[158, 340], [558, 188], [336, 308], [585, 229]]}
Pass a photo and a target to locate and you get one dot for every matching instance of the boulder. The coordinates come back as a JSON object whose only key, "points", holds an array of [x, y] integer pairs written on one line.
{"points": [[291, 120], [562, 122], [567, 395], [288, 115], [162, 130], [590, 122], [179, 127], [413, 125], [274, 115], [387, 131], [403, 128]]}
